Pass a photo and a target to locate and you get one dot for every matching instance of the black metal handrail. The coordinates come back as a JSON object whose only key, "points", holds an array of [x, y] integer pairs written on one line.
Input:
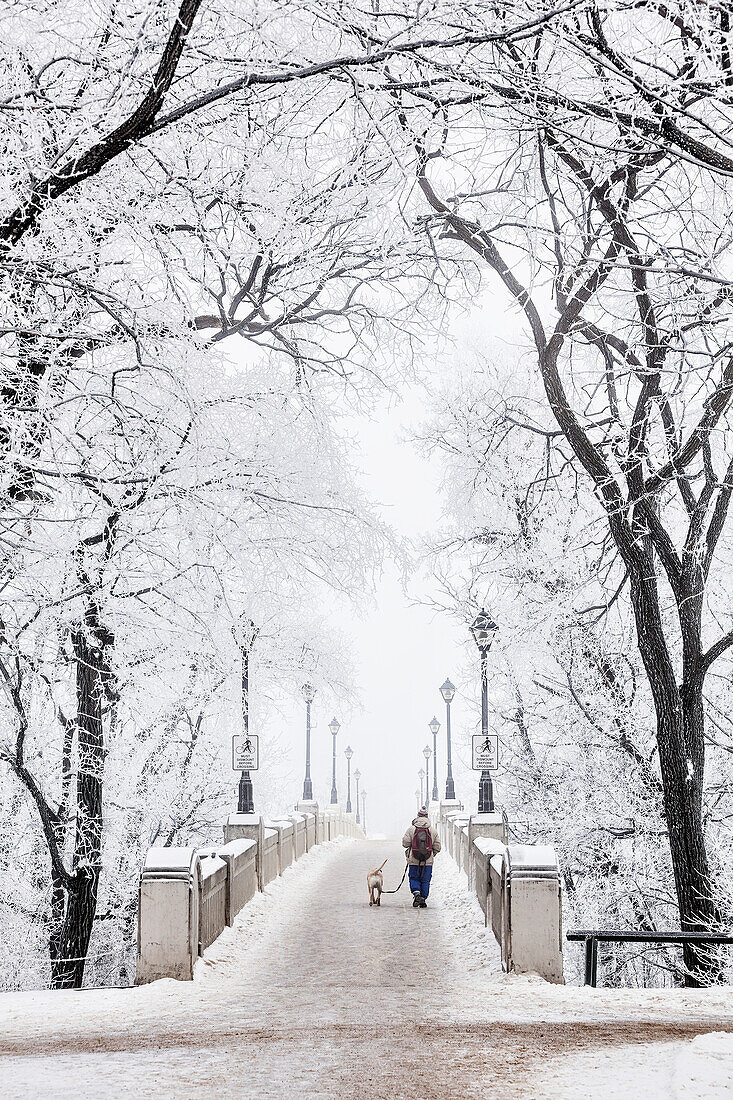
{"points": [[593, 937]]}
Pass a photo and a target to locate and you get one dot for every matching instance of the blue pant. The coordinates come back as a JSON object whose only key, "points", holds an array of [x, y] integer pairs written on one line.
{"points": [[420, 880]]}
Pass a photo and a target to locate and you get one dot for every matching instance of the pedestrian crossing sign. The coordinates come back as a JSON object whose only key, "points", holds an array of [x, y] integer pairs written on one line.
{"points": [[245, 752], [485, 752]]}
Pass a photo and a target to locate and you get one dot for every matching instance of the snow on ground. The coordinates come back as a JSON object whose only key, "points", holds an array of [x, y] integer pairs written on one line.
{"points": [[703, 1068], [462, 920], [315, 995]]}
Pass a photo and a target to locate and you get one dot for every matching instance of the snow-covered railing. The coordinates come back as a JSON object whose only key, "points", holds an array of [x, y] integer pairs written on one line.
{"points": [[268, 856], [188, 896], [286, 842], [335, 823], [517, 885], [212, 899], [240, 857], [299, 837]]}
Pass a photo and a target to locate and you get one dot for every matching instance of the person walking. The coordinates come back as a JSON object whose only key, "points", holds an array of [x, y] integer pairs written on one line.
{"points": [[422, 844]]}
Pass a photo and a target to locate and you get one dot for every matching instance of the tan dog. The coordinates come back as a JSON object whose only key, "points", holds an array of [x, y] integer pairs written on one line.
{"points": [[375, 882]]}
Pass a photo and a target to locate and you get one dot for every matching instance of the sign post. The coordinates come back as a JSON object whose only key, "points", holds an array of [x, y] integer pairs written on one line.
{"points": [[485, 755], [245, 752]]}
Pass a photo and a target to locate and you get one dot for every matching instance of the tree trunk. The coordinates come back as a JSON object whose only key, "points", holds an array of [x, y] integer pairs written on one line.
{"points": [[58, 907], [72, 945], [678, 739]]}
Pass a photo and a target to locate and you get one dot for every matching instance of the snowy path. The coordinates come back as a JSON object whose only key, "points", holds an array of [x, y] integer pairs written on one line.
{"points": [[315, 995]]}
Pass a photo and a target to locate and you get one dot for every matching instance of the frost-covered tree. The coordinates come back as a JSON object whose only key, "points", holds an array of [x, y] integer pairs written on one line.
{"points": [[176, 500], [600, 204], [571, 702], [152, 488]]}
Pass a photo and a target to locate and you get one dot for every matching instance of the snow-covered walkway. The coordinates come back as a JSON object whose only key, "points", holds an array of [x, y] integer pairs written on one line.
{"points": [[315, 995]]}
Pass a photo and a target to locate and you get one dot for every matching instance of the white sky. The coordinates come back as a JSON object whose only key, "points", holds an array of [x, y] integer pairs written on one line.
{"points": [[406, 651], [402, 652]]}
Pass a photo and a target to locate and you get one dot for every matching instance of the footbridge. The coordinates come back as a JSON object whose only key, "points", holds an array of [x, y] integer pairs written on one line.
{"points": [[264, 973], [189, 896]]}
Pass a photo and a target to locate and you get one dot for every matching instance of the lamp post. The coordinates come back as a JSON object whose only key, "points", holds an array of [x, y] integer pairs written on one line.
{"points": [[334, 725], [421, 773], [348, 753], [308, 692], [427, 752], [483, 629], [363, 811], [245, 633], [434, 726], [448, 690], [357, 777], [417, 800]]}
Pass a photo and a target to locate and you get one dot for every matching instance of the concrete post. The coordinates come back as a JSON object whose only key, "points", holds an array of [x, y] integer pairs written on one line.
{"points": [[247, 827], [535, 911], [168, 915], [491, 825], [447, 806], [306, 806]]}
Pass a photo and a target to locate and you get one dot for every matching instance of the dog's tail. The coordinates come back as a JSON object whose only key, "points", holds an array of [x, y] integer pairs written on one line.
{"points": [[382, 864]]}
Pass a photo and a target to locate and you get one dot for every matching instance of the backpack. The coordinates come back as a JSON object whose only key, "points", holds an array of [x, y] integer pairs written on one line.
{"points": [[422, 844]]}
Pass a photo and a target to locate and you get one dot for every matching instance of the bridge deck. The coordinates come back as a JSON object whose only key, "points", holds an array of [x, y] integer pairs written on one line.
{"points": [[314, 995]]}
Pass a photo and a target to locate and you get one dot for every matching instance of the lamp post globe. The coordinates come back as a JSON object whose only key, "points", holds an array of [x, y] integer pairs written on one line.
{"points": [[434, 726], [357, 777], [484, 630], [448, 690], [421, 773], [348, 753], [308, 692], [334, 726]]}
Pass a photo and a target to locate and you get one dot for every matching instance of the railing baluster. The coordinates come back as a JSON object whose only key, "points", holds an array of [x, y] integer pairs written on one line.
{"points": [[591, 961]]}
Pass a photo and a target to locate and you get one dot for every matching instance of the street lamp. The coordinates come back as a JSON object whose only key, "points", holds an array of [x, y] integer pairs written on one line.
{"points": [[245, 632], [348, 753], [357, 777], [483, 629], [421, 773], [434, 726], [308, 692], [363, 811], [417, 799], [334, 725], [427, 752], [448, 690]]}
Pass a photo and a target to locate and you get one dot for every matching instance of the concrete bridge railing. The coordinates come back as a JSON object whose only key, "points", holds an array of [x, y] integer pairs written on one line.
{"points": [[213, 886], [188, 896], [517, 885]]}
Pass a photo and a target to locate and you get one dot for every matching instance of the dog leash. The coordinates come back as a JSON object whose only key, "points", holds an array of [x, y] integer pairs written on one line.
{"points": [[401, 881]]}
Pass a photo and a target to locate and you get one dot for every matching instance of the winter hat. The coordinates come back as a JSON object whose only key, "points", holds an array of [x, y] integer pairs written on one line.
{"points": [[423, 811]]}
